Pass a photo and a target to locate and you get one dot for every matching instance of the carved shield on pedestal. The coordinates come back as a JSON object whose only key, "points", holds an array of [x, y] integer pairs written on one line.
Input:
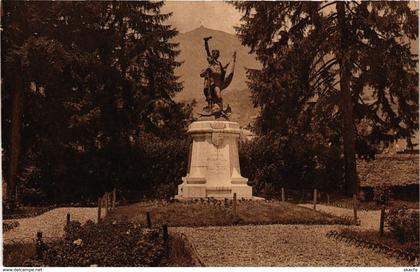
{"points": [[217, 139]]}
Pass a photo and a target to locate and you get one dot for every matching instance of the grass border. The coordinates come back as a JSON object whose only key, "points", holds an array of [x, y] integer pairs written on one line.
{"points": [[357, 241]]}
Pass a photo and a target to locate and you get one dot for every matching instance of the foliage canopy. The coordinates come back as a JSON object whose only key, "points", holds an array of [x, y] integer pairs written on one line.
{"points": [[340, 70], [89, 79]]}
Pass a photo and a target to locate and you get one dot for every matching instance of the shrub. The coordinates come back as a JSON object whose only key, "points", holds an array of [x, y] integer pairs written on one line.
{"points": [[291, 162], [162, 165], [145, 166], [15, 254], [403, 224], [117, 243], [381, 195], [10, 225]]}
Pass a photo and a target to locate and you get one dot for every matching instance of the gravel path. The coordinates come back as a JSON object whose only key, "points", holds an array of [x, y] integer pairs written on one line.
{"points": [[51, 224], [279, 245], [368, 219]]}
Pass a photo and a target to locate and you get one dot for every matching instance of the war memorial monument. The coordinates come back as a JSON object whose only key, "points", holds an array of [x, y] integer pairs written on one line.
{"points": [[213, 163]]}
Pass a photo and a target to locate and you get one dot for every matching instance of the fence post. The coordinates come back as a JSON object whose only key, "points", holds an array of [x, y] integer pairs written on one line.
{"points": [[315, 194], [109, 200], [234, 204], [68, 219], [149, 220], [355, 207], [382, 221], [39, 247], [282, 194], [165, 232], [165, 239], [106, 202], [99, 208], [114, 198]]}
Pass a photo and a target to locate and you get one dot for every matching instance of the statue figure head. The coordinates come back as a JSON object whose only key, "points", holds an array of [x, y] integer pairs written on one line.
{"points": [[215, 54]]}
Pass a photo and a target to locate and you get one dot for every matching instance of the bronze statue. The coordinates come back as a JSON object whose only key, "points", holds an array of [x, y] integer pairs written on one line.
{"points": [[216, 78]]}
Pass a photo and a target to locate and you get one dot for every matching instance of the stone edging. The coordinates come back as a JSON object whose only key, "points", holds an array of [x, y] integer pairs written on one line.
{"points": [[194, 254], [379, 247]]}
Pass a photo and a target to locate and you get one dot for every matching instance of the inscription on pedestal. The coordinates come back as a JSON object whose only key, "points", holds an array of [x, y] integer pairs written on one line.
{"points": [[217, 163]]}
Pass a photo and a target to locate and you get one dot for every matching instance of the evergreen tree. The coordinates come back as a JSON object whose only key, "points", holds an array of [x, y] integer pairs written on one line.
{"points": [[84, 79], [342, 69]]}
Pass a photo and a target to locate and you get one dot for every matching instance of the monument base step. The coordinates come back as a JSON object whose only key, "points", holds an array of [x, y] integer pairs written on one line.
{"points": [[253, 198], [189, 191]]}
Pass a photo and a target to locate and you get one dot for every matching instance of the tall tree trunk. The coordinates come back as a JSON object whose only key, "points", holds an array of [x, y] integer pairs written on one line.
{"points": [[15, 136], [351, 180]]}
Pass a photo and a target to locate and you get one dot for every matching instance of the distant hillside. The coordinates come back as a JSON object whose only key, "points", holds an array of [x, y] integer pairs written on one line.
{"points": [[193, 56]]}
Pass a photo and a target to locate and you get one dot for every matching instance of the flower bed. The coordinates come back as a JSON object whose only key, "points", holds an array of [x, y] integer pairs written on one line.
{"points": [[116, 243]]}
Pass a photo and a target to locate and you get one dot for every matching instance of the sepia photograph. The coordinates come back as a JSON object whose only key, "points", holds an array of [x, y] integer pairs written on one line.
{"points": [[210, 134]]}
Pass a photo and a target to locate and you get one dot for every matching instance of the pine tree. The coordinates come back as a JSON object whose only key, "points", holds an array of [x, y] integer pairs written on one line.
{"points": [[89, 77], [343, 69]]}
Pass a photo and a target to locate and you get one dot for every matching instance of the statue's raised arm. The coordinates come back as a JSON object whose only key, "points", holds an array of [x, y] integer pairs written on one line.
{"points": [[206, 46]]}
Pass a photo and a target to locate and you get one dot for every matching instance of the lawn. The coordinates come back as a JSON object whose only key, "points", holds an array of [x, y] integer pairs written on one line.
{"points": [[217, 213]]}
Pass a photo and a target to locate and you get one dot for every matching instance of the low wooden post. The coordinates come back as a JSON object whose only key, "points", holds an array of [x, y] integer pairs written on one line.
{"points": [[99, 209], [39, 246], [114, 198], [106, 196], [165, 233], [103, 212], [328, 199], [355, 207], [382, 221], [109, 200], [315, 194], [68, 219], [149, 220], [282, 194], [165, 239], [234, 204]]}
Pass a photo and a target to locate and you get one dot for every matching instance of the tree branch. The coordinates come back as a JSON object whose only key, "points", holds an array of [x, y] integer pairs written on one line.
{"points": [[325, 67], [319, 83], [329, 87], [315, 63]]}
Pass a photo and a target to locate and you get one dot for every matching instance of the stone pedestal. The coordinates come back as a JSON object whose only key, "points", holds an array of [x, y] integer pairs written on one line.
{"points": [[213, 169]]}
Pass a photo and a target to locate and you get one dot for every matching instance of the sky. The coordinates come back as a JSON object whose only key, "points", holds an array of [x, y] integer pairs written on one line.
{"points": [[189, 15], [218, 15]]}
